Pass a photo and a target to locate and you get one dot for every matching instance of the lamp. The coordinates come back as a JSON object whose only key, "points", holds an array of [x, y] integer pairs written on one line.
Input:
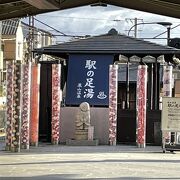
{"points": [[99, 4], [165, 24]]}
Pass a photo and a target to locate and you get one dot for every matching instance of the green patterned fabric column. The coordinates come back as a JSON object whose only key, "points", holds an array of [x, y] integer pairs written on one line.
{"points": [[16, 119]]}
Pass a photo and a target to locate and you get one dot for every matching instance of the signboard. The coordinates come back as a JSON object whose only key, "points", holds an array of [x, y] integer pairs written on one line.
{"points": [[88, 79], [170, 114]]}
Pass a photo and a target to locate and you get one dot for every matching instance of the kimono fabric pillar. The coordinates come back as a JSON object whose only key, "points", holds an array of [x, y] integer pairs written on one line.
{"points": [[9, 102], [34, 116], [56, 80], [167, 81], [167, 92], [16, 120], [25, 104], [113, 81], [141, 106]]}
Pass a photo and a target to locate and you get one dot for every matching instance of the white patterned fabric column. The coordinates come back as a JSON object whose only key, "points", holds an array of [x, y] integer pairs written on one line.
{"points": [[25, 104], [16, 120], [141, 106], [113, 82], [9, 97], [167, 92], [167, 81], [56, 101]]}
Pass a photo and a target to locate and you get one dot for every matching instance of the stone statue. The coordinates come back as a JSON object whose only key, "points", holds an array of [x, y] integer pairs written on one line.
{"points": [[84, 132], [82, 122], [83, 117]]}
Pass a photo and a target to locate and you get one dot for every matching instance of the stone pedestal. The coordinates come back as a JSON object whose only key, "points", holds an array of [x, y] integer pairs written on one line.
{"points": [[15, 149], [54, 142], [34, 144], [91, 133], [24, 146], [74, 142], [81, 134]]}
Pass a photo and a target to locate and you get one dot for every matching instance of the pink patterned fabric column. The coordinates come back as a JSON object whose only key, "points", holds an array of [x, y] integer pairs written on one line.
{"points": [[141, 106], [9, 96], [34, 110], [25, 105], [56, 99], [16, 120], [113, 82]]}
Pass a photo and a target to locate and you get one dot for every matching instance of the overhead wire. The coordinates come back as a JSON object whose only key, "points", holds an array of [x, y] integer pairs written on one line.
{"points": [[26, 27], [97, 19], [83, 18], [50, 27], [165, 31]]}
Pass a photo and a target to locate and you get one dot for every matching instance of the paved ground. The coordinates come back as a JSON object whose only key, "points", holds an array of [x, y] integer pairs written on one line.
{"points": [[49, 162]]}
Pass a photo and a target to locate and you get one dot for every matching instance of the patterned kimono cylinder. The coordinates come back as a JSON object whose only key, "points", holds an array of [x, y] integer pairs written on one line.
{"points": [[16, 120], [167, 92], [9, 96], [25, 105], [56, 99], [113, 81], [141, 106], [167, 81], [34, 114]]}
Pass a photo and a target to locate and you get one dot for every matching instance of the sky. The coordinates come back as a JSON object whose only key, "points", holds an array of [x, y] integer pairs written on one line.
{"points": [[89, 20]]}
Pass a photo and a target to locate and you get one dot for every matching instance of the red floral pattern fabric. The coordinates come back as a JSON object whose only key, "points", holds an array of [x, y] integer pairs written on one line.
{"points": [[113, 80], [56, 83]]}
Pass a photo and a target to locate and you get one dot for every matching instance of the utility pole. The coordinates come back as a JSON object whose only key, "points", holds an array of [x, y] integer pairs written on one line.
{"points": [[135, 22], [30, 38], [168, 34], [135, 27]]}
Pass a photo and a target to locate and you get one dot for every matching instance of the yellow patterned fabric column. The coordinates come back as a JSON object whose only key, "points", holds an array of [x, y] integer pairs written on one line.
{"points": [[56, 100], [113, 82]]}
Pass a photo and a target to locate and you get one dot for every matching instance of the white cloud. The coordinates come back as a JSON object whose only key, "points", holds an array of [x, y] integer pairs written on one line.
{"points": [[99, 20]]}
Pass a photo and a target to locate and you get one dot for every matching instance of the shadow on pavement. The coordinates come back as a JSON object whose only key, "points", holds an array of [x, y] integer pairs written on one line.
{"points": [[73, 176], [93, 161], [45, 148]]}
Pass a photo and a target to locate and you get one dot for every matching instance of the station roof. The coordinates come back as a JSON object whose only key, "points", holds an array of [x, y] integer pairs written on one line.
{"points": [[10, 27], [109, 44], [21, 8]]}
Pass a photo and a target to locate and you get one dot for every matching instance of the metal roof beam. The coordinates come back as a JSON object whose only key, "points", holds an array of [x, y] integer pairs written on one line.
{"points": [[167, 8], [43, 4], [162, 7], [9, 1], [28, 11]]}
